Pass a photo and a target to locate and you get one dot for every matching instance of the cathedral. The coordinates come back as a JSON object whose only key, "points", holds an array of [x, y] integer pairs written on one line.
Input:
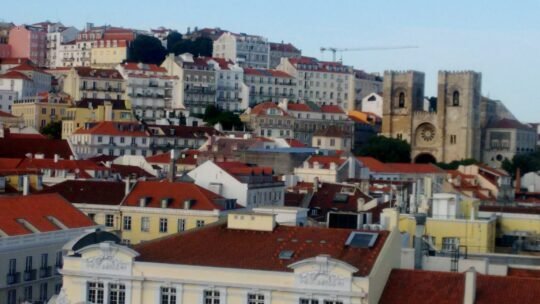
{"points": [[448, 130]]}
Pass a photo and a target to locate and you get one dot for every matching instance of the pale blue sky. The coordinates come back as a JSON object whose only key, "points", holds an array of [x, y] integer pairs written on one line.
{"points": [[499, 38]]}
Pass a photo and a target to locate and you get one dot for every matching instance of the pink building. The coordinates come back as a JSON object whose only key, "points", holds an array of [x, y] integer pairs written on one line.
{"points": [[28, 42], [5, 50]]}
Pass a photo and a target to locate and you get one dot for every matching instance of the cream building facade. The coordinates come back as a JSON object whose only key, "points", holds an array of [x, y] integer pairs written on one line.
{"points": [[38, 111], [246, 50], [86, 82], [143, 275]]}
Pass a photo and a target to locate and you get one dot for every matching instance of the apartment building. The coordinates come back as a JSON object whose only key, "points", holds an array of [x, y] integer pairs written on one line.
{"points": [[38, 111], [366, 84], [231, 91], [247, 50], [278, 264], [322, 82], [251, 186], [31, 245], [28, 41], [268, 119], [165, 138], [87, 82], [149, 89], [282, 50], [197, 86], [110, 138], [94, 110], [56, 35], [269, 85]]}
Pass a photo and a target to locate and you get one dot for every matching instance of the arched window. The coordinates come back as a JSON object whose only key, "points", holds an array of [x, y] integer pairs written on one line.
{"points": [[401, 100], [455, 99]]}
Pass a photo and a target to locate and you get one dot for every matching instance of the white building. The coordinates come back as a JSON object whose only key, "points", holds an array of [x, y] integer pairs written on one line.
{"points": [[231, 92], [57, 34], [531, 181], [269, 85], [277, 264], [23, 81], [330, 169], [250, 186], [149, 89], [366, 84], [372, 103], [31, 245], [247, 50], [322, 82]]}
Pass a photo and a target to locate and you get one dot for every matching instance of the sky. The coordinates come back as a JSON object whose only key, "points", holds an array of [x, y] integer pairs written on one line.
{"points": [[499, 38]]}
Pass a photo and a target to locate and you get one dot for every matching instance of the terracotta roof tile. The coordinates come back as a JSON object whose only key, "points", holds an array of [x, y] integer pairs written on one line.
{"points": [[15, 75], [89, 192], [332, 109], [19, 147], [133, 129], [35, 209], [326, 160], [130, 171], [259, 250], [266, 73], [98, 73]]}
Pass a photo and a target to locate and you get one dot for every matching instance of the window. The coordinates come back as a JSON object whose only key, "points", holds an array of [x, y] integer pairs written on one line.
{"points": [[44, 260], [12, 296], [127, 222], [12, 266], [109, 220], [162, 225], [58, 261], [181, 225], [117, 294], [455, 99], [332, 302], [399, 136], [401, 100], [308, 301], [43, 291], [168, 295], [28, 293], [95, 292], [200, 223], [453, 139], [255, 298], [28, 265], [145, 224], [450, 243], [332, 142], [211, 297]]}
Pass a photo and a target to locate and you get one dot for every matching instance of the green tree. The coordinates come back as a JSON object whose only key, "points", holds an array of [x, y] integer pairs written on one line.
{"points": [[386, 149], [453, 165], [228, 120], [172, 39], [146, 49], [198, 47], [53, 130], [525, 162]]}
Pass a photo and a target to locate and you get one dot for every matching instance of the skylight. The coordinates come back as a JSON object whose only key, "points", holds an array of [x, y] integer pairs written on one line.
{"points": [[286, 254], [361, 239]]}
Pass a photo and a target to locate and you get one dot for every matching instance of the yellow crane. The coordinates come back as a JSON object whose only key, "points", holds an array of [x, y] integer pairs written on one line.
{"points": [[334, 50]]}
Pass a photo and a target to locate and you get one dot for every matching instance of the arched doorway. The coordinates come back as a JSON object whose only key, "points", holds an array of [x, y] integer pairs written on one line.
{"points": [[425, 158]]}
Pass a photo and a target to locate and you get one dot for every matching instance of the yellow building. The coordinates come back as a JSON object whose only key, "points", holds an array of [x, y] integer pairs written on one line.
{"points": [[38, 111], [453, 223], [109, 55], [249, 260], [514, 221], [94, 110], [19, 180], [87, 82]]}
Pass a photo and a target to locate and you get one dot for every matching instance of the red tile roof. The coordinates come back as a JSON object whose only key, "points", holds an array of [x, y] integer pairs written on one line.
{"points": [[6, 114], [61, 164], [186, 157], [15, 75], [325, 199], [332, 109], [299, 107], [283, 47], [295, 143], [89, 192], [133, 66], [261, 108], [257, 249], [239, 169], [13, 60], [178, 192], [19, 147], [35, 209], [417, 286], [266, 73], [27, 67], [112, 128], [130, 171], [506, 123], [326, 160], [377, 166], [98, 73], [318, 66], [523, 272]]}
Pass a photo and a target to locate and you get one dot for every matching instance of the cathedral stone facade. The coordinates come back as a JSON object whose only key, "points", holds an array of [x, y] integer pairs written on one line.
{"points": [[450, 130]]}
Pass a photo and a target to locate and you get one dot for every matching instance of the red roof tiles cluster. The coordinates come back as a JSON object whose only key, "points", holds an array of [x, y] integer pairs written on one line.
{"points": [[15, 75], [111, 128], [259, 250], [35, 210], [266, 73], [377, 166], [89, 72], [261, 108], [326, 160], [19, 146], [176, 192], [89, 192], [133, 66], [239, 169]]}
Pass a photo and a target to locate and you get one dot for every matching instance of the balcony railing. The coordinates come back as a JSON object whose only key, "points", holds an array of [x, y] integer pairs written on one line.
{"points": [[13, 278], [45, 272], [29, 275]]}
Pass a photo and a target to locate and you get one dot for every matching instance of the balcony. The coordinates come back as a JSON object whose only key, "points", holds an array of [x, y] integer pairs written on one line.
{"points": [[29, 275], [45, 272], [13, 278]]}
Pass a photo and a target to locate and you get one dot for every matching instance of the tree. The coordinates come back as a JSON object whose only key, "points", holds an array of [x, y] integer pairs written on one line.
{"points": [[386, 149], [228, 120], [146, 49], [453, 165], [198, 47], [53, 130], [172, 39], [525, 162]]}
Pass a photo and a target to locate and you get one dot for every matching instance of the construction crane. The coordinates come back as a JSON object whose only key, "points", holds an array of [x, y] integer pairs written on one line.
{"points": [[334, 50]]}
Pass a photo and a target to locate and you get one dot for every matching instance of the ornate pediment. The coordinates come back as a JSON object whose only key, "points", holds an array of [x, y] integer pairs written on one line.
{"points": [[111, 258], [323, 272]]}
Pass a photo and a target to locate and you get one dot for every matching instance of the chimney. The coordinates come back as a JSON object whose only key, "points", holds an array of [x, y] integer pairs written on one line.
{"points": [[56, 158], [108, 110], [352, 167], [470, 286], [315, 184], [128, 186], [26, 185], [172, 169], [518, 181]]}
